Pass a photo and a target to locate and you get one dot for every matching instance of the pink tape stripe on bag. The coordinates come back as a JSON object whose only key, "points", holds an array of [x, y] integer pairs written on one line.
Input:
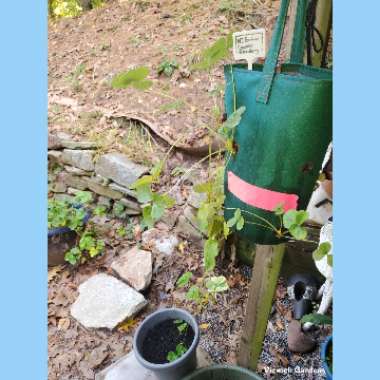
{"points": [[259, 197]]}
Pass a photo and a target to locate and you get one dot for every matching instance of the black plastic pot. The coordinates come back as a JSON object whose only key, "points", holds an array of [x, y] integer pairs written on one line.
{"points": [[324, 353], [225, 372], [182, 366], [61, 240]]}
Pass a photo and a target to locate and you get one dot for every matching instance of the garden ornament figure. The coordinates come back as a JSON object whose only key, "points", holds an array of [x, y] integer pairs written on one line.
{"points": [[325, 292], [302, 290]]}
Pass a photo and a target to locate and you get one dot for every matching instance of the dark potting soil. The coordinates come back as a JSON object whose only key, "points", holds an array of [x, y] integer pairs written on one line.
{"points": [[163, 338]]}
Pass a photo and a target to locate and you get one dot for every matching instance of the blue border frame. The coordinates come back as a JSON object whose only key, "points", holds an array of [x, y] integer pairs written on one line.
{"points": [[23, 171], [356, 189], [23, 166]]}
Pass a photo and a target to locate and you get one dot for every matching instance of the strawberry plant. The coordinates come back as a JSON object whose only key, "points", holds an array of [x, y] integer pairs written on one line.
{"points": [[167, 68], [153, 203], [71, 215], [179, 351]]}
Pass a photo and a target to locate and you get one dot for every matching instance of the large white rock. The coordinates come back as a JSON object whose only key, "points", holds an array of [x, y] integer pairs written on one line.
{"points": [[105, 301], [119, 168], [135, 267]]}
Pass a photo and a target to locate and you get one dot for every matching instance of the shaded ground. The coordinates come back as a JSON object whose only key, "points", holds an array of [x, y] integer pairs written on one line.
{"points": [[84, 54]]}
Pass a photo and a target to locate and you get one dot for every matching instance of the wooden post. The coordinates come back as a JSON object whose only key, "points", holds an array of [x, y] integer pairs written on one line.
{"points": [[266, 270]]}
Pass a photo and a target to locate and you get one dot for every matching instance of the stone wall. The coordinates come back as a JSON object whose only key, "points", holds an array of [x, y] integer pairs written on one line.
{"points": [[76, 166]]}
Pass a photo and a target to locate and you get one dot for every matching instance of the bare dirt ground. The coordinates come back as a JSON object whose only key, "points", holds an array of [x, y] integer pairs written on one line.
{"points": [[84, 54]]}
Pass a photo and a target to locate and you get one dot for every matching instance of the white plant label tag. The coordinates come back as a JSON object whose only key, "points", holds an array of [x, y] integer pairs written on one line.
{"points": [[249, 45]]}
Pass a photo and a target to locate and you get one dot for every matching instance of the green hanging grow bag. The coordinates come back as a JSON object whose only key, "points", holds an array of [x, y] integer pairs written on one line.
{"points": [[282, 137]]}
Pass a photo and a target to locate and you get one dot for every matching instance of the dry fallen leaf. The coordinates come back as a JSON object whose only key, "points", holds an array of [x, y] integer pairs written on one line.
{"points": [[281, 292], [204, 326], [97, 356], [53, 272], [289, 315], [63, 324], [280, 308], [127, 325], [181, 247], [279, 324], [282, 359]]}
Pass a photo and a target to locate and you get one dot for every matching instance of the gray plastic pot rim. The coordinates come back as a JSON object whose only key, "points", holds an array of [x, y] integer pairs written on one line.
{"points": [[179, 361]]}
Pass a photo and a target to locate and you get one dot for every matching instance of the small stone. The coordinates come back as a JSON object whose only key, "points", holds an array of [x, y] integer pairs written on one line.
{"points": [[103, 190], [298, 341], [135, 267], [61, 140], [72, 180], [64, 198], [130, 204], [72, 191], [54, 142], [190, 214], [58, 187], [82, 159], [105, 301], [195, 199], [170, 218], [54, 156], [123, 190], [119, 168], [132, 212], [71, 144], [160, 241], [101, 180], [104, 201], [185, 228], [77, 171]]}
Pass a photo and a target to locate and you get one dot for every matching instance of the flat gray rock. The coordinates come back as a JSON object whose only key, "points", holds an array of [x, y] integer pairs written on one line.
{"points": [[105, 191], [119, 168], [61, 140], [54, 156], [135, 267], [82, 159], [123, 190], [132, 205], [71, 180], [128, 368], [185, 228], [105, 301], [77, 171], [195, 199]]}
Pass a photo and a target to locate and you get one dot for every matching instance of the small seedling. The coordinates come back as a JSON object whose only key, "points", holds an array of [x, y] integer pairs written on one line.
{"points": [[65, 214], [323, 250], [184, 279], [179, 351], [182, 326], [65, 8], [100, 211], [167, 68], [153, 203], [121, 232], [118, 210]]}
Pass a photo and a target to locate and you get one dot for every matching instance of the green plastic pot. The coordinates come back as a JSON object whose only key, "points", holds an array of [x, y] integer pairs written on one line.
{"points": [[223, 372]]}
